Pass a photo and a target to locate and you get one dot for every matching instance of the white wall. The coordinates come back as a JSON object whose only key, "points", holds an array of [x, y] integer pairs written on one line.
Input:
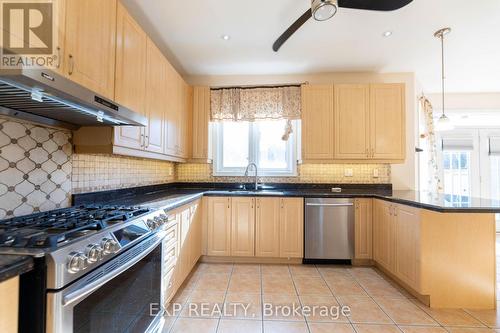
{"points": [[404, 176]]}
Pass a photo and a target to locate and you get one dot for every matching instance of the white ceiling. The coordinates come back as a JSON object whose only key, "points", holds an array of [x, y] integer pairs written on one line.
{"points": [[190, 32]]}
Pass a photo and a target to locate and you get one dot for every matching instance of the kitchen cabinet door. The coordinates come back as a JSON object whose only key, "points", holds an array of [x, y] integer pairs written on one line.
{"points": [[184, 246], [155, 97], [219, 226], [201, 118], [317, 122], [383, 232], [352, 116], [407, 245], [130, 82], [172, 114], [195, 234], [267, 227], [185, 110], [387, 121], [291, 227], [242, 227], [91, 44], [363, 229]]}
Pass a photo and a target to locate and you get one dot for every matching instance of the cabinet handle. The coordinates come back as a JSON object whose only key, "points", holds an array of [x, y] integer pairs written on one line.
{"points": [[367, 152], [282, 203], [143, 142], [146, 139], [58, 55], [373, 152], [395, 211], [71, 65], [252, 204], [228, 202]]}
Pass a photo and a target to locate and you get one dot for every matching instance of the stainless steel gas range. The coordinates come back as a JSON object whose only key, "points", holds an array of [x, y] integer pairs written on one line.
{"points": [[97, 268]]}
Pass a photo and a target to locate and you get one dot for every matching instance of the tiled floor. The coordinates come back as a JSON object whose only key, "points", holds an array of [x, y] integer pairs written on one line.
{"points": [[375, 303]]}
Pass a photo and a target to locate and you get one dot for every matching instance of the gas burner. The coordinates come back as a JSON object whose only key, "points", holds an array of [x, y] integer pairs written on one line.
{"points": [[55, 228]]}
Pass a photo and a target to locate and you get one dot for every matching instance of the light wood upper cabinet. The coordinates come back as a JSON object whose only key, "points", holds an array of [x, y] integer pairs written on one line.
{"points": [[242, 227], [130, 75], [387, 121], [219, 226], [201, 118], [90, 44], [267, 227], [363, 229], [155, 97], [407, 245], [352, 116], [291, 227], [317, 122]]}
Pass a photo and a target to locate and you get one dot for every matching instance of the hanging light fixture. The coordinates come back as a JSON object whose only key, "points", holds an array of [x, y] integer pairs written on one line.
{"points": [[444, 123]]}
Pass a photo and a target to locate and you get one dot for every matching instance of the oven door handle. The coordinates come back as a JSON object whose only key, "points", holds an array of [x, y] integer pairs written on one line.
{"points": [[329, 205], [89, 288]]}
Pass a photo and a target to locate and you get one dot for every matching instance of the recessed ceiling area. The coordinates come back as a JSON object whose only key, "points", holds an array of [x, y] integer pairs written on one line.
{"points": [[353, 40]]}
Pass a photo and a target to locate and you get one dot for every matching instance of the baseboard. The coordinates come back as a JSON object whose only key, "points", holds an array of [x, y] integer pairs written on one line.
{"points": [[250, 260]]}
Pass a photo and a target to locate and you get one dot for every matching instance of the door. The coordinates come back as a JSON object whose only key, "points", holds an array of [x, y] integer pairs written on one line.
{"points": [[91, 44], [291, 227], [242, 227], [186, 102], [155, 98], [185, 236], [130, 76], [201, 118], [387, 121], [195, 235], [363, 229], [407, 245], [383, 225], [267, 227], [172, 114], [219, 226], [317, 122], [352, 116]]}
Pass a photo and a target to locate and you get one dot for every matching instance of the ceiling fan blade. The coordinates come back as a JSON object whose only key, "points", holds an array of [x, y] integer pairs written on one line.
{"points": [[383, 5], [290, 31]]}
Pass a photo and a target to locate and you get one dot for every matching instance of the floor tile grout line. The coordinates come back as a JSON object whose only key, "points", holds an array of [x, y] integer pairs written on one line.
{"points": [[300, 301], [225, 295]]}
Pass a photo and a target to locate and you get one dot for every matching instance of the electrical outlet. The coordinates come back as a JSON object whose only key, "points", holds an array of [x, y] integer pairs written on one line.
{"points": [[348, 172], [375, 173], [170, 171]]}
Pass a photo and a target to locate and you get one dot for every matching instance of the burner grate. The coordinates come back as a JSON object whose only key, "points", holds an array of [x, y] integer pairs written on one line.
{"points": [[53, 228]]}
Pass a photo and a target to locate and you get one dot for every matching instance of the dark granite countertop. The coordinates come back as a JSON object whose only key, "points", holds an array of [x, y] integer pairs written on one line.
{"points": [[171, 196], [13, 265]]}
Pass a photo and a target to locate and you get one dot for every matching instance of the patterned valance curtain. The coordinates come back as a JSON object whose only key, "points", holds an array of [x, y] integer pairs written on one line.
{"points": [[434, 181], [249, 104]]}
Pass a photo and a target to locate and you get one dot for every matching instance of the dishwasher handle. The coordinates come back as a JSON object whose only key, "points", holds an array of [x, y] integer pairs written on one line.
{"points": [[347, 204]]}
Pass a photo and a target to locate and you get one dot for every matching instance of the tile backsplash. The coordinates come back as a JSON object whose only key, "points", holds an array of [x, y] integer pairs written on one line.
{"points": [[107, 172], [307, 173], [35, 168]]}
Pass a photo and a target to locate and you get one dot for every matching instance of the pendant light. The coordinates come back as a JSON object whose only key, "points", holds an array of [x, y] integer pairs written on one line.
{"points": [[444, 123]]}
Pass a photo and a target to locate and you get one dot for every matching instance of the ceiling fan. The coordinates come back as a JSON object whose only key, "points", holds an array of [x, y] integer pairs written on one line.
{"points": [[323, 10]]}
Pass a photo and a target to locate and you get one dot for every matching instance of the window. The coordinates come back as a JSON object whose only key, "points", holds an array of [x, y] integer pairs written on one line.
{"points": [[457, 176], [236, 144]]}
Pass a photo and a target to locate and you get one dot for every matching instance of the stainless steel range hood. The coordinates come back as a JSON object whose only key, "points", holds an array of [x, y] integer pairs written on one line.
{"points": [[45, 97]]}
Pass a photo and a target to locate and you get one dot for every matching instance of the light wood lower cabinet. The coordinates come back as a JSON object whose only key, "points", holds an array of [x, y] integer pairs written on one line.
{"points": [[292, 228], [9, 300], [242, 227], [383, 234], [363, 229], [255, 227], [219, 226], [267, 227]]}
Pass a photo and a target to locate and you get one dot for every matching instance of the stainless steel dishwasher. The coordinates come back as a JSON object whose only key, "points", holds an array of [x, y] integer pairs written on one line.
{"points": [[329, 230]]}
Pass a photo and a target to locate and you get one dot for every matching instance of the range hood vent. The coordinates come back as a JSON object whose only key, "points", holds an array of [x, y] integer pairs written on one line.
{"points": [[45, 97]]}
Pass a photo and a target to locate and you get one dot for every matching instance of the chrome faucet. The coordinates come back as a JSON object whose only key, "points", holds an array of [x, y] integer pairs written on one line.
{"points": [[256, 172]]}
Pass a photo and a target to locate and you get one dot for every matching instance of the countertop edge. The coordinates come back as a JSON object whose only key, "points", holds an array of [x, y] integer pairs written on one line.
{"points": [[20, 265]]}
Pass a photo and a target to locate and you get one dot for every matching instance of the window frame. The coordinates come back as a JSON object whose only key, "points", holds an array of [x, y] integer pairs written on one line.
{"points": [[217, 151]]}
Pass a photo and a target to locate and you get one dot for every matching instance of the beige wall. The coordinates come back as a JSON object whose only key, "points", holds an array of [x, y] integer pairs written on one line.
{"points": [[404, 176]]}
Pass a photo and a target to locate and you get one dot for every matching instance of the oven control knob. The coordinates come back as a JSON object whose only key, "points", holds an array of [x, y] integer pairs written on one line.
{"points": [[151, 224], [77, 261], [109, 246], [158, 221], [164, 218], [94, 253]]}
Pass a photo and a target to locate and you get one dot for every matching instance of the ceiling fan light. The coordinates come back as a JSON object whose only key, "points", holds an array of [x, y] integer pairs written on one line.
{"points": [[324, 9]]}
